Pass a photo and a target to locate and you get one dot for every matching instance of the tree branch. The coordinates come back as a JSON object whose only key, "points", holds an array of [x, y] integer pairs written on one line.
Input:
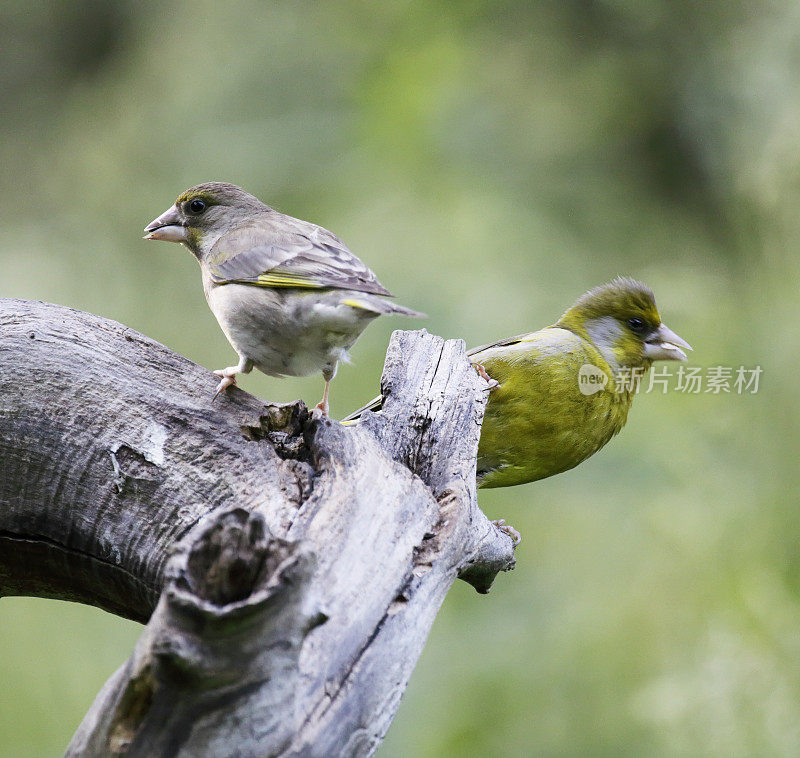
{"points": [[290, 568]]}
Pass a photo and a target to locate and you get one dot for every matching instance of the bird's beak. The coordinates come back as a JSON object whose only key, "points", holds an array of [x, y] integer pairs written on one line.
{"points": [[168, 227], [665, 345]]}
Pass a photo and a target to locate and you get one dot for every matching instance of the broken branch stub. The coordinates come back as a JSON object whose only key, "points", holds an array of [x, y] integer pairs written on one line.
{"points": [[433, 401], [232, 619]]}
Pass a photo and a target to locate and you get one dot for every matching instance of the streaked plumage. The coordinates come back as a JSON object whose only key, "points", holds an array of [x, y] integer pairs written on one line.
{"points": [[538, 422], [288, 294]]}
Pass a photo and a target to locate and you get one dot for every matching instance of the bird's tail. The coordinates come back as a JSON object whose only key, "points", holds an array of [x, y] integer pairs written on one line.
{"points": [[379, 306], [401, 310], [373, 405]]}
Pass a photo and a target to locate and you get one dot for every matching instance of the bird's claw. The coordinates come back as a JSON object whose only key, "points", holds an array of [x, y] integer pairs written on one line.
{"points": [[493, 383], [228, 380], [509, 530], [321, 409]]}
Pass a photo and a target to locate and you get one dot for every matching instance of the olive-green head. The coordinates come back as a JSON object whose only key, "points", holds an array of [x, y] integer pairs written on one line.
{"points": [[202, 214], [621, 320]]}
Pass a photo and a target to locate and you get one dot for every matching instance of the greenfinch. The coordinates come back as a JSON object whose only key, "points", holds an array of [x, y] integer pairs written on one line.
{"points": [[288, 294], [560, 394]]}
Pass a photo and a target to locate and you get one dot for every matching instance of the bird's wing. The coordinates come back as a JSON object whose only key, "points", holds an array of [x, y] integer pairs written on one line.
{"points": [[289, 253], [527, 337], [474, 355]]}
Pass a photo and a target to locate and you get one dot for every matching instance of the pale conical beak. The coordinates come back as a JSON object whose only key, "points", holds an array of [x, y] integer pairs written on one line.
{"points": [[168, 227], [665, 345]]}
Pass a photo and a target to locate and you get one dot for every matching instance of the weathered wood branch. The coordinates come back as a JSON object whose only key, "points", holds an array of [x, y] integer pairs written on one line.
{"points": [[288, 568]]}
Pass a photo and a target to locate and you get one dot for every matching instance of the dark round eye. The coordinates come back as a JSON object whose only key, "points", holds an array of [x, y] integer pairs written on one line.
{"points": [[197, 206], [637, 325]]}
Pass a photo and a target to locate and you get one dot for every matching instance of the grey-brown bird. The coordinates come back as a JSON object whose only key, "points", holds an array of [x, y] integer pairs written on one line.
{"points": [[288, 294]]}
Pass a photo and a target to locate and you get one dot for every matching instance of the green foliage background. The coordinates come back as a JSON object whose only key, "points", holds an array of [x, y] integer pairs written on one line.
{"points": [[490, 160]]}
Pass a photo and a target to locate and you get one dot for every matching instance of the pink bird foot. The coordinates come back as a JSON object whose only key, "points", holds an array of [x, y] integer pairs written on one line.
{"points": [[228, 380], [493, 383]]}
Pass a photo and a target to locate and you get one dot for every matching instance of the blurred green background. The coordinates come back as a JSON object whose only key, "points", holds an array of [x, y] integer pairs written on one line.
{"points": [[490, 161]]}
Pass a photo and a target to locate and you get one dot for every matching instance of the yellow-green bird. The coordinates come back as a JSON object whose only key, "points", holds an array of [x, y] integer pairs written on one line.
{"points": [[563, 392], [288, 294]]}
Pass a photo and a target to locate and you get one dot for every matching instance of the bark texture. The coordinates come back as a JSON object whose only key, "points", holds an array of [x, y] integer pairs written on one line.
{"points": [[288, 568]]}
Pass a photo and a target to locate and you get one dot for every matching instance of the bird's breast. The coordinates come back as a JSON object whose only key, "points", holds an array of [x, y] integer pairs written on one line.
{"points": [[539, 422], [283, 331]]}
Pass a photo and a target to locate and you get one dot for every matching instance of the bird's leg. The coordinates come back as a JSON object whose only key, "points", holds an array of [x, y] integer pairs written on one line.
{"points": [[509, 530], [493, 383], [327, 375], [229, 374], [322, 405]]}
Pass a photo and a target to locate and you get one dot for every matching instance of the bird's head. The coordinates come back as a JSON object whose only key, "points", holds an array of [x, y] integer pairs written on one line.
{"points": [[202, 214], [621, 320]]}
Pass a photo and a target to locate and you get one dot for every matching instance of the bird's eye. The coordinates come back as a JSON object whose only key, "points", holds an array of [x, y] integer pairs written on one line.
{"points": [[636, 325], [197, 206]]}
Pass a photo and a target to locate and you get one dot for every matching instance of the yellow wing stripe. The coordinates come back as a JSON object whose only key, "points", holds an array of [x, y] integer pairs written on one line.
{"points": [[357, 304], [287, 280]]}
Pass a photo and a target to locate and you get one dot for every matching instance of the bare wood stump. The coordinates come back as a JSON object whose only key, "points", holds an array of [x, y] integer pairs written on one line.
{"points": [[288, 568]]}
